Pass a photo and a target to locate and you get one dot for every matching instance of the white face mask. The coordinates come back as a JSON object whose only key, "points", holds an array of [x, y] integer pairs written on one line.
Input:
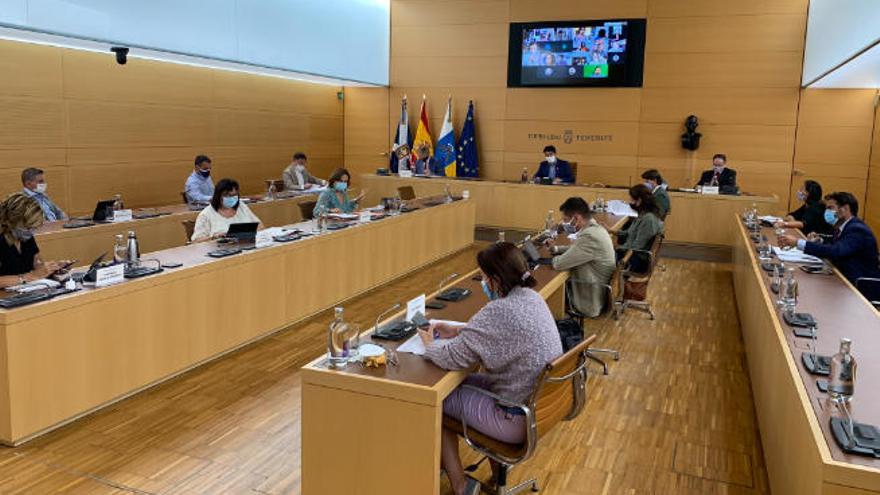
{"points": [[41, 188], [551, 159], [299, 167]]}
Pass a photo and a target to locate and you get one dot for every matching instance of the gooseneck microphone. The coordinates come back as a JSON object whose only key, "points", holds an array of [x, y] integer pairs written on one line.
{"points": [[379, 318]]}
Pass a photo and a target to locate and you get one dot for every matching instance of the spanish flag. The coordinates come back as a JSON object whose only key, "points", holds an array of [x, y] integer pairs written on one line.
{"points": [[423, 133]]}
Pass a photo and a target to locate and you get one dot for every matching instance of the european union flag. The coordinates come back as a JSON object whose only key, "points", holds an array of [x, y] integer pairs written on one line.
{"points": [[466, 150]]}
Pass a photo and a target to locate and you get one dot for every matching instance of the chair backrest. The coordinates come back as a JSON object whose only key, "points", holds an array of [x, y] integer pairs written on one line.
{"points": [[560, 393], [612, 291], [307, 209], [574, 171], [183, 196], [279, 184], [406, 193], [189, 226]]}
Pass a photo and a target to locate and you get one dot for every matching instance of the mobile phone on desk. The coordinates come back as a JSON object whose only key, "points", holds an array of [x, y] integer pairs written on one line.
{"points": [[65, 266], [172, 264], [815, 269]]}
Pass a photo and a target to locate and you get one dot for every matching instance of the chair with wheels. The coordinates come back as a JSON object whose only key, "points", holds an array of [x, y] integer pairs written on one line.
{"points": [[613, 294], [870, 287], [559, 395], [635, 285], [406, 193]]}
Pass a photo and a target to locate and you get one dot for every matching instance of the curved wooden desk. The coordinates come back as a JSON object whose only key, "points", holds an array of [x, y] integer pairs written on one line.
{"points": [[65, 357], [801, 455], [695, 218], [154, 234]]}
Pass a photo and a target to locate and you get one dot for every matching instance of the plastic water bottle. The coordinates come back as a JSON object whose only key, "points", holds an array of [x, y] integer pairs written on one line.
{"points": [[549, 223], [270, 192], [789, 291], [842, 382], [120, 251], [117, 203], [525, 175]]}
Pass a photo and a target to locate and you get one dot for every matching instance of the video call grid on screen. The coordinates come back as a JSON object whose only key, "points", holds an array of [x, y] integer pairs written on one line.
{"points": [[582, 53]]}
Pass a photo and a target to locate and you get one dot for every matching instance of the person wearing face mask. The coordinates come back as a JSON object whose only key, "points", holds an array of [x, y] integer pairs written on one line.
{"points": [[642, 230], [654, 182], [429, 165], [512, 338], [226, 209], [34, 182], [810, 217], [558, 171], [589, 258], [335, 198], [852, 247], [199, 187], [297, 177], [20, 261], [720, 176]]}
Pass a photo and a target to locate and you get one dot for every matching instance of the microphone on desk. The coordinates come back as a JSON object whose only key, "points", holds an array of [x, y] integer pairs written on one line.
{"points": [[379, 318], [443, 282]]}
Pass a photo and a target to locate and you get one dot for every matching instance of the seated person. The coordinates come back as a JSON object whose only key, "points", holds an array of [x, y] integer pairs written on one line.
{"points": [[558, 171], [810, 217], [721, 176], [640, 233], [427, 164], [654, 182], [335, 198], [590, 258], [512, 338], [199, 187], [20, 261], [404, 158], [34, 182], [297, 177], [226, 209], [852, 247]]}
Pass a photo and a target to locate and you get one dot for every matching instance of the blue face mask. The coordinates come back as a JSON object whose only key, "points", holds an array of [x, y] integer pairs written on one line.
{"points": [[486, 290], [230, 201], [23, 234], [341, 186], [830, 217]]}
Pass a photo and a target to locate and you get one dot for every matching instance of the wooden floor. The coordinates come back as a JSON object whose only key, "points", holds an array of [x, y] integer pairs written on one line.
{"points": [[674, 417]]}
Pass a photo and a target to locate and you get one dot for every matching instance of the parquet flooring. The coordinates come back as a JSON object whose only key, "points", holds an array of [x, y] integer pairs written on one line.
{"points": [[674, 417]]}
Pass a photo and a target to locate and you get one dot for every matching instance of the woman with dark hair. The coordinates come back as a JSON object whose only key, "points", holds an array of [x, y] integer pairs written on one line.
{"points": [[640, 232], [810, 216], [226, 209], [512, 338], [335, 198], [20, 261]]}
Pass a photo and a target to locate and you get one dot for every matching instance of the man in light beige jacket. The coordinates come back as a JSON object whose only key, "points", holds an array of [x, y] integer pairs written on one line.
{"points": [[589, 258]]}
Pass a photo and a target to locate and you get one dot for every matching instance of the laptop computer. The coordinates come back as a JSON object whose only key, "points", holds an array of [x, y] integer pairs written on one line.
{"points": [[245, 234]]}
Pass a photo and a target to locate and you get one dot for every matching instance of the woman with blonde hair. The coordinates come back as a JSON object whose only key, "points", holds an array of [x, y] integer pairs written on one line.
{"points": [[20, 261]]}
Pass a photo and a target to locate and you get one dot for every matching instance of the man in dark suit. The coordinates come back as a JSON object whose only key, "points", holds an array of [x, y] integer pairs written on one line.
{"points": [[558, 171], [852, 247], [721, 176]]}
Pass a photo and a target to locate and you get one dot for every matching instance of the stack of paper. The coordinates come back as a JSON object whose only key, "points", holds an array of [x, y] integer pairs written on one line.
{"points": [[621, 208], [769, 219], [41, 284], [415, 345], [794, 255]]}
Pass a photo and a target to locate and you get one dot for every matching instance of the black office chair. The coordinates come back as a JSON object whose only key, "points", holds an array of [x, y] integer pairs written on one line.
{"points": [[307, 210], [870, 287], [406, 193], [635, 285]]}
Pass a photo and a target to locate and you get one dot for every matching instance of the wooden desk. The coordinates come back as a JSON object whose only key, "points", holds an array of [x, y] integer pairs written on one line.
{"points": [[71, 355], [368, 431], [801, 455], [154, 234], [695, 218]]}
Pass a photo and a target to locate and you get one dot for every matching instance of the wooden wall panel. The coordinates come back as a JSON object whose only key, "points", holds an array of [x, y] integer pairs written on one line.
{"points": [[834, 140], [872, 202], [686, 8], [366, 133], [548, 10], [743, 34], [99, 128]]}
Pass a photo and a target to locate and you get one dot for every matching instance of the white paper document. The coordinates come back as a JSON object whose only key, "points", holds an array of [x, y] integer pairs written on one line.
{"points": [[41, 284], [413, 346], [416, 305], [621, 208], [769, 219], [794, 255]]}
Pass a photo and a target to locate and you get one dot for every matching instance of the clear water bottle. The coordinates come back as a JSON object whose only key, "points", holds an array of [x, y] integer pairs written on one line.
{"points": [[789, 291], [600, 204], [764, 249], [448, 192], [778, 272], [524, 177], [117, 203], [842, 381], [133, 255], [502, 237], [549, 224], [336, 351], [120, 251]]}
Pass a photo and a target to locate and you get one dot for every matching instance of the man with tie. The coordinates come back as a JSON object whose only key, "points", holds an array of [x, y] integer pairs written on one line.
{"points": [[34, 182], [852, 248], [558, 171], [720, 176]]}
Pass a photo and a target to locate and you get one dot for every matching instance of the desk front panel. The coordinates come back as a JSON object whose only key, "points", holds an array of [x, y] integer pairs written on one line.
{"points": [[695, 218], [68, 356]]}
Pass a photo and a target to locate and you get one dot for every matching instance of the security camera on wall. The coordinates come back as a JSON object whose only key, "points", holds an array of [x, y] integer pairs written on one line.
{"points": [[690, 140]]}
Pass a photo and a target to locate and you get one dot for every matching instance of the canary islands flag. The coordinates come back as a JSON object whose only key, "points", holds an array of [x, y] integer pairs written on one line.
{"points": [[423, 133], [467, 147], [445, 152]]}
